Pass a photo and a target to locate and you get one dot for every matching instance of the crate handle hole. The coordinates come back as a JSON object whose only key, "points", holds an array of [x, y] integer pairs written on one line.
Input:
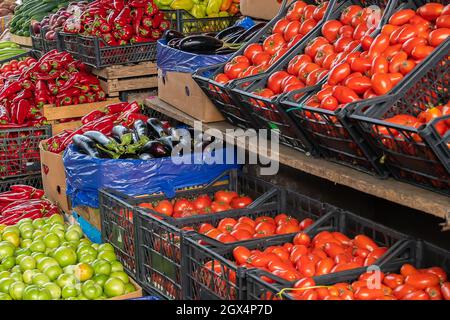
{"points": [[58, 189], [188, 92]]}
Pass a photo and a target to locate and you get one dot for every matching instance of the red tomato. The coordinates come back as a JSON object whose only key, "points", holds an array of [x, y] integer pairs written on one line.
{"points": [[431, 11], [248, 221], [273, 43], [445, 290], [291, 30], [339, 73], [443, 21], [379, 45], [164, 207], [329, 103], [381, 83], [396, 61], [410, 44], [436, 37], [364, 293], [286, 228], [225, 196], [344, 94], [205, 227], [395, 78], [265, 228], [421, 51], [330, 29], [297, 62], [252, 49], [241, 234], [241, 254], [437, 271], [305, 223], [380, 65], [261, 59], [222, 78], [319, 12], [401, 17], [393, 280], [182, 205], [359, 84], [422, 280], [407, 270], [341, 43], [387, 29], [275, 80], [220, 206], [349, 13], [416, 295], [280, 26], [360, 31], [302, 238], [366, 42], [313, 46], [233, 70], [306, 266], [241, 202], [306, 26], [226, 238], [226, 225], [324, 266], [434, 293]]}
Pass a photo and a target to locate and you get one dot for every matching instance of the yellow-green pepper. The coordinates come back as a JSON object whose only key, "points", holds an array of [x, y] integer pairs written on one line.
{"points": [[199, 11], [182, 5], [224, 14], [213, 7], [163, 3]]}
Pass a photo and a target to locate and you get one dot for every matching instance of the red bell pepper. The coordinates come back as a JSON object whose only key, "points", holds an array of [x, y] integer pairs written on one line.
{"points": [[4, 115], [157, 19], [101, 96], [127, 32], [131, 118], [94, 115], [118, 5], [165, 25], [82, 99], [10, 90], [72, 81], [116, 108], [25, 94], [137, 19], [147, 22], [152, 9]]}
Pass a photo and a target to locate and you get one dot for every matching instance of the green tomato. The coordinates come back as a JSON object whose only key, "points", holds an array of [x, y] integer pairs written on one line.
{"points": [[38, 233], [26, 243], [56, 219], [102, 266], [66, 280], [5, 283], [54, 290], [38, 255], [65, 256], [121, 275], [91, 290], [16, 290], [16, 268], [51, 240], [100, 279], [116, 266], [105, 247], [27, 234], [25, 221], [25, 251], [33, 292], [46, 262], [107, 255], [114, 287], [53, 272], [4, 296], [16, 276], [14, 229], [5, 274], [27, 263], [86, 258], [6, 249], [69, 291], [8, 262], [38, 246], [129, 288], [28, 275], [38, 223], [40, 279]]}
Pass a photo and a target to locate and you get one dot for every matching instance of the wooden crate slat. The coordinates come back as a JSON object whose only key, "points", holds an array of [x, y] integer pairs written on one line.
{"points": [[115, 86], [60, 127], [126, 71], [23, 41], [74, 111]]}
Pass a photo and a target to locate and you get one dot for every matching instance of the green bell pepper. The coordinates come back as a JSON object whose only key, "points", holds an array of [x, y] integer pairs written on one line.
{"points": [[182, 5]]}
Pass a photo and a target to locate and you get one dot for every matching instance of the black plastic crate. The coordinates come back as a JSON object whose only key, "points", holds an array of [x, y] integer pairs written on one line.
{"points": [[184, 22], [117, 209], [220, 94], [420, 156], [69, 42], [37, 41], [332, 132], [159, 242], [419, 253], [34, 180], [228, 281], [97, 53], [49, 45], [270, 114], [19, 150]]}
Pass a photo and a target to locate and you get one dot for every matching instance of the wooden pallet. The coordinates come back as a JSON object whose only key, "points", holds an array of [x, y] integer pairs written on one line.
{"points": [[119, 78], [53, 114], [23, 41]]}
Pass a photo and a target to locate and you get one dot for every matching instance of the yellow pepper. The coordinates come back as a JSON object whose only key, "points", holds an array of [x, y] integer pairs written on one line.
{"points": [[224, 14], [199, 11], [213, 7], [182, 5]]}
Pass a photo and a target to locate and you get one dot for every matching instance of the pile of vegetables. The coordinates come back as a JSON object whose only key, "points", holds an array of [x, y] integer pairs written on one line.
{"points": [[9, 49], [287, 32], [7, 7], [101, 121], [202, 8], [410, 284], [45, 259], [55, 79], [55, 21], [305, 257], [120, 22], [31, 10], [15, 67], [142, 140], [409, 37], [227, 41], [24, 202]]}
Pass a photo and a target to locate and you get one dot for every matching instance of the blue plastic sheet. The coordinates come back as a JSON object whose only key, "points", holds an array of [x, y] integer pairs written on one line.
{"points": [[86, 175], [171, 59], [88, 229]]}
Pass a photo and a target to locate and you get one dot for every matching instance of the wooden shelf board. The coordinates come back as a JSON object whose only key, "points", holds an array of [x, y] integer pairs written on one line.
{"points": [[388, 189]]}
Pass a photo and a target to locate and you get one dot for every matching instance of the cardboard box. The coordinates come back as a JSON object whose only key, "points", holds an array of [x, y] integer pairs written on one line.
{"points": [[54, 178], [91, 215], [260, 9], [181, 91]]}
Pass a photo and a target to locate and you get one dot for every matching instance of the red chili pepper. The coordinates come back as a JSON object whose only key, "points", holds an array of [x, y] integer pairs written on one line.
{"points": [[11, 220], [4, 115], [126, 32], [112, 16], [65, 101], [123, 18], [25, 94], [103, 125], [95, 87], [87, 79], [10, 196], [54, 89], [82, 99], [53, 74], [20, 111], [157, 19], [68, 140], [74, 79], [118, 5], [156, 34], [132, 118], [10, 90], [94, 115], [71, 92], [165, 25], [101, 96], [116, 108], [138, 18], [91, 97], [22, 187]]}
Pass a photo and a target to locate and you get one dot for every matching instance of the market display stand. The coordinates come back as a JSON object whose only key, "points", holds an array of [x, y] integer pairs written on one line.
{"points": [[23, 41], [388, 189]]}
